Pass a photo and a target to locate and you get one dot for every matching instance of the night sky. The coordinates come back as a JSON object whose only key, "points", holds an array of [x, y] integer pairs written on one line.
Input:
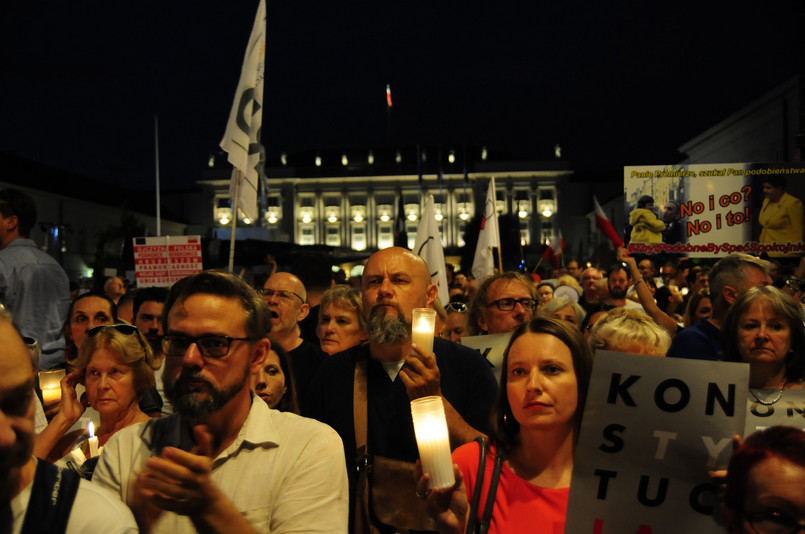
{"points": [[613, 83]]}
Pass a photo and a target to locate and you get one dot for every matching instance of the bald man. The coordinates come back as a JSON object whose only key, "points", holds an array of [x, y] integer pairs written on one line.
{"points": [[394, 282], [37, 494], [286, 298]]}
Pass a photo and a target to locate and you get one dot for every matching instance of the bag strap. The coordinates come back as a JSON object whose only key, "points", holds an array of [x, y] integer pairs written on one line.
{"points": [[479, 484], [52, 495], [493, 489], [483, 527], [362, 516]]}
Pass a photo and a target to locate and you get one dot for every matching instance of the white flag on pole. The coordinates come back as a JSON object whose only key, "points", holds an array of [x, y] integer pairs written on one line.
{"points": [[483, 264], [429, 247], [242, 137]]}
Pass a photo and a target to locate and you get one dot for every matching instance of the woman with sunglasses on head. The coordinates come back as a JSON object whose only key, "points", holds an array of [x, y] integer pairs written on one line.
{"points": [[455, 325], [535, 422], [117, 367]]}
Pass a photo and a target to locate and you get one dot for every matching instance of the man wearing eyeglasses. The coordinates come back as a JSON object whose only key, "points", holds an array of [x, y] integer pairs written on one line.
{"points": [[224, 462], [286, 298], [394, 282], [503, 302]]}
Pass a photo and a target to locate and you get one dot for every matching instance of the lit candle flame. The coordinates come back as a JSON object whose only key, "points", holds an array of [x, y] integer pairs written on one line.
{"points": [[91, 429]]}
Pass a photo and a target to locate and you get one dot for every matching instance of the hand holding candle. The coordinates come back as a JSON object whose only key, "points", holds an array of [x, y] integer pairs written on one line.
{"points": [[423, 324], [433, 440]]}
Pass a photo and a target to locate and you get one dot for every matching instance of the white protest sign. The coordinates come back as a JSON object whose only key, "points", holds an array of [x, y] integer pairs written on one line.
{"points": [[161, 261], [652, 429], [491, 346], [770, 407]]}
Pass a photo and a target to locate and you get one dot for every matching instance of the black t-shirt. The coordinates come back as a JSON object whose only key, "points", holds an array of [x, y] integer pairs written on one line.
{"points": [[305, 361]]}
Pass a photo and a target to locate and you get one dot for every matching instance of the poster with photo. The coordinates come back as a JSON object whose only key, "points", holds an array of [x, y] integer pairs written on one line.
{"points": [[706, 210]]}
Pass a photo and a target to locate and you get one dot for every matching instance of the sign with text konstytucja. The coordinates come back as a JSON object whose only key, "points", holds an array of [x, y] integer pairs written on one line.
{"points": [[715, 209], [652, 429]]}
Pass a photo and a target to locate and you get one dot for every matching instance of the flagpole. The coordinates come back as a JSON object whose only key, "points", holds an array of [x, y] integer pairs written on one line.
{"points": [[156, 152], [234, 222], [500, 261]]}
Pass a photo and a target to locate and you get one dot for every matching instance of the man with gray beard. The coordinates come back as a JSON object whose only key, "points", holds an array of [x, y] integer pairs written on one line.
{"points": [[224, 462], [394, 282]]}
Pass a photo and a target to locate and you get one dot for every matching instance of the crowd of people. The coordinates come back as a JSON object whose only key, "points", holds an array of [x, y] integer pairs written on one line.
{"points": [[224, 406]]}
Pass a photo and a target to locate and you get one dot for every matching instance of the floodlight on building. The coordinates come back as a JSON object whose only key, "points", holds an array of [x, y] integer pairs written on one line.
{"points": [[451, 157], [464, 211], [546, 201], [332, 219], [370, 158], [398, 157], [484, 153], [211, 161], [412, 212], [522, 209], [284, 159], [344, 160], [358, 213], [272, 219], [384, 212], [306, 213], [318, 161], [438, 216]]}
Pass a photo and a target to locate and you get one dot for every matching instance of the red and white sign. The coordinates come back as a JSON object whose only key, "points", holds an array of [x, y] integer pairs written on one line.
{"points": [[161, 261]]}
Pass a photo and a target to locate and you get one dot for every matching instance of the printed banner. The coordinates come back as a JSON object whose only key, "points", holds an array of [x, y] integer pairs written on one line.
{"points": [[715, 209], [653, 427], [161, 261]]}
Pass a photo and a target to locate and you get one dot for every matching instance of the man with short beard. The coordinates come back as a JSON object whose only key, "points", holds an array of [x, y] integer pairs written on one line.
{"points": [[224, 462], [394, 282], [618, 282]]}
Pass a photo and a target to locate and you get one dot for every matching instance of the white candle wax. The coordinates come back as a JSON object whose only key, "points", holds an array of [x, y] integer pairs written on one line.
{"points": [[92, 441], [424, 323], [433, 440]]}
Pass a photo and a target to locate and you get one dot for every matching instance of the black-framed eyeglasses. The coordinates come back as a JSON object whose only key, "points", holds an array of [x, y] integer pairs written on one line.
{"points": [[458, 307], [123, 328], [774, 522], [210, 345], [281, 293], [508, 304]]}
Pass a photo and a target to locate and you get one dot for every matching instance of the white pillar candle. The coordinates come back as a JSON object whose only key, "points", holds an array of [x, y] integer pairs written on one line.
{"points": [[93, 440], [50, 384], [422, 328], [433, 440]]}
